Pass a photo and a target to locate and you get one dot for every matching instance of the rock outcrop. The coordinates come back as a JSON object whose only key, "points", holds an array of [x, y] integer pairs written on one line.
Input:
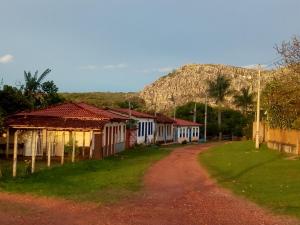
{"points": [[189, 83]]}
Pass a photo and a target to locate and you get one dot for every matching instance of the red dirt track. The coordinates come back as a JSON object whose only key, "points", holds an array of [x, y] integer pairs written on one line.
{"points": [[177, 191]]}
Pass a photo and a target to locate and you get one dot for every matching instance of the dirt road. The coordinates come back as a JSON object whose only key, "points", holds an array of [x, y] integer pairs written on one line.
{"points": [[177, 191]]}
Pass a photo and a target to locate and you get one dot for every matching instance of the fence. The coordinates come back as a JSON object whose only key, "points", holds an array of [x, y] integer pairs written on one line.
{"points": [[282, 140]]}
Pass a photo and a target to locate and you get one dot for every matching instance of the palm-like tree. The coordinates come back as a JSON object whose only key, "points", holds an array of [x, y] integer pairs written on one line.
{"points": [[218, 89], [244, 99], [33, 84]]}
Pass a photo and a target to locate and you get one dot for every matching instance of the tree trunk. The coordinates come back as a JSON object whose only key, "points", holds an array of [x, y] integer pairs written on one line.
{"points": [[219, 121]]}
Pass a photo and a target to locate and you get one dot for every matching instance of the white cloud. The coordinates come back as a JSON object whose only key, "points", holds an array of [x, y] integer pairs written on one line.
{"points": [[164, 69], [157, 70], [115, 66], [89, 67], [6, 58]]}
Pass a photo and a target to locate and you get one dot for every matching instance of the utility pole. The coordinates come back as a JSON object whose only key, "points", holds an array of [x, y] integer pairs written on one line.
{"points": [[195, 113], [205, 118], [258, 110]]}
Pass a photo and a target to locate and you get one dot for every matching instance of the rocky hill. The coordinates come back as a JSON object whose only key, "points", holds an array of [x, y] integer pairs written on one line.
{"points": [[189, 83]]}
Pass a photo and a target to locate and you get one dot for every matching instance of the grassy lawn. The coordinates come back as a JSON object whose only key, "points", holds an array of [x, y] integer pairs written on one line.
{"points": [[265, 176], [102, 181]]}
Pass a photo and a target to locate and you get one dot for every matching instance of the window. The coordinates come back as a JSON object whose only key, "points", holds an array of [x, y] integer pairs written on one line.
{"points": [[146, 128], [143, 127], [139, 129], [197, 129], [180, 132], [149, 128]]}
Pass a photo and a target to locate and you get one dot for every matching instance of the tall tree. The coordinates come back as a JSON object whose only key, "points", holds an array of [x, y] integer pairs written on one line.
{"points": [[281, 95], [244, 99], [218, 89], [290, 54], [32, 88]]}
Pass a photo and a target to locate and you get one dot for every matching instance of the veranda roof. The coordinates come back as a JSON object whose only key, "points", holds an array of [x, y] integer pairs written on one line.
{"points": [[66, 115]]}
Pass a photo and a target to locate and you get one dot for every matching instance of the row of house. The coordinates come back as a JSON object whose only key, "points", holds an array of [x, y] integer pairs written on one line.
{"points": [[89, 132]]}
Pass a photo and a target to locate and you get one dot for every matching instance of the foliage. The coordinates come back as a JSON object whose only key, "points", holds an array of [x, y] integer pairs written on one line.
{"points": [[106, 180], [136, 103], [99, 99], [234, 122], [265, 176], [218, 89], [12, 100], [281, 96], [41, 94], [290, 54], [244, 100]]}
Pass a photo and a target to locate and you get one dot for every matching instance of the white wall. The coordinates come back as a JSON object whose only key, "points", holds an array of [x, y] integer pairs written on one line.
{"points": [[184, 132], [164, 131], [144, 135]]}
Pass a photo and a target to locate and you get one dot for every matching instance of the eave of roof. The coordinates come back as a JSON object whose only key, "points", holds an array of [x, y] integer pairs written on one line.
{"points": [[181, 122]]}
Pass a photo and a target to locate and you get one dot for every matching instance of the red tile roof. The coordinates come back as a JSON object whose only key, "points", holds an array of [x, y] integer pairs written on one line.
{"points": [[53, 122], [73, 115], [181, 122], [160, 118], [65, 110], [133, 113], [104, 112]]}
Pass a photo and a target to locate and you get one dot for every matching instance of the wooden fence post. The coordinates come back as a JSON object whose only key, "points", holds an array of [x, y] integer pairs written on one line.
{"points": [[91, 145], [298, 146], [33, 151], [63, 149], [15, 153], [7, 143], [83, 144], [73, 149], [49, 150]]}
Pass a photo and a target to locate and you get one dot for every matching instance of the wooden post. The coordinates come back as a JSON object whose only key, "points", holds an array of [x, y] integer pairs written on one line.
{"points": [[91, 147], [258, 111], [33, 150], [298, 146], [83, 144], [49, 150], [7, 143], [15, 153], [63, 149], [73, 150]]}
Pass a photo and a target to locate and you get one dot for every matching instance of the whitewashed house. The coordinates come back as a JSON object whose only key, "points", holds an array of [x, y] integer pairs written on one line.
{"points": [[164, 129], [145, 124], [185, 130], [91, 131]]}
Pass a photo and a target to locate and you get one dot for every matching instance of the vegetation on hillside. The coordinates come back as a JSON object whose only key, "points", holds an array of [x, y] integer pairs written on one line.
{"points": [[100, 99], [266, 176]]}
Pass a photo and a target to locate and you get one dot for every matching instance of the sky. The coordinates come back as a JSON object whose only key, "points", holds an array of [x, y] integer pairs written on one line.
{"points": [[123, 45]]}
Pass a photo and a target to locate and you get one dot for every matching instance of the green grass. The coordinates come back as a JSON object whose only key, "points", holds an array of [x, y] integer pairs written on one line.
{"points": [[102, 181], [266, 176]]}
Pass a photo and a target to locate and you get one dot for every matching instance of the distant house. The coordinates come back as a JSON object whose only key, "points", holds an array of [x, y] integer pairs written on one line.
{"points": [[186, 131], [164, 128], [145, 124], [89, 132]]}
